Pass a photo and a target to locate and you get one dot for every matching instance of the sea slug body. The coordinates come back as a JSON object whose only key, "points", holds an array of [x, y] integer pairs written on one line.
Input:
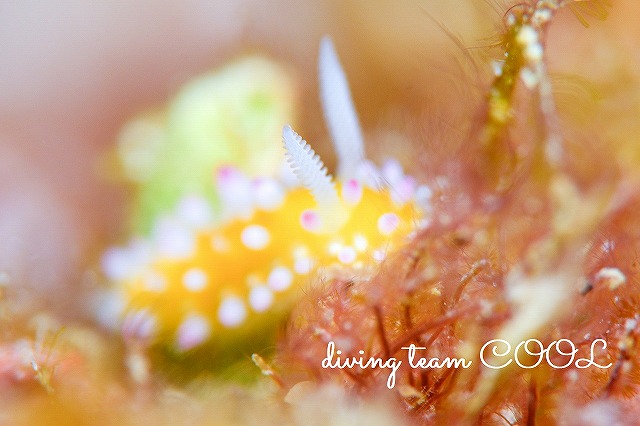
{"points": [[197, 281]]}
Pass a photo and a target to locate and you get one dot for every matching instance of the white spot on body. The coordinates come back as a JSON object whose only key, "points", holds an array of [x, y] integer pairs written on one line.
{"points": [[195, 211], [387, 223], [403, 190], [392, 171], [173, 239], [379, 255], [119, 263], [347, 255], [303, 265], [310, 220], [260, 298], [352, 191], [235, 192], [194, 279], [232, 312], [115, 263], [334, 248], [268, 193], [193, 331], [280, 278], [255, 237], [360, 243]]}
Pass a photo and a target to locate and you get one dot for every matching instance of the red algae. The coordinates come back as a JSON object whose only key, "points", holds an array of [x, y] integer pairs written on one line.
{"points": [[528, 268]]}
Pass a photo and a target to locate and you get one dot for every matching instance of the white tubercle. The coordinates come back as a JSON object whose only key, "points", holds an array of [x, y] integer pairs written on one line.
{"points": [[194, 280], [339, 112], [268, 193], [173, 239], [260, 298], [235, 191], [280, 278], [232, 312], [387, 223], [352, 191], [255, 237], [193, 331], [195, 211]]}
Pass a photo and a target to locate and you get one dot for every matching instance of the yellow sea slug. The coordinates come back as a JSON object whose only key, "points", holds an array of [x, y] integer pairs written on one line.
{"points": [[219, 279]]}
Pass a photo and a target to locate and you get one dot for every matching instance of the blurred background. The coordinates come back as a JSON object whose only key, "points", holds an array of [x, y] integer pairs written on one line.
{"points": [[73, 72]]}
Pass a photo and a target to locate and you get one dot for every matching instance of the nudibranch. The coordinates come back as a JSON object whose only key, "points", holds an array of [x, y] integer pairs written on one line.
{"points": [[199, 282]]}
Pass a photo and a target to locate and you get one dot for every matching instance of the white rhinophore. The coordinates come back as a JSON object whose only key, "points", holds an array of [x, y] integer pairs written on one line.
{"points": [[339, 112], [309, 168], [312, 174]]}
